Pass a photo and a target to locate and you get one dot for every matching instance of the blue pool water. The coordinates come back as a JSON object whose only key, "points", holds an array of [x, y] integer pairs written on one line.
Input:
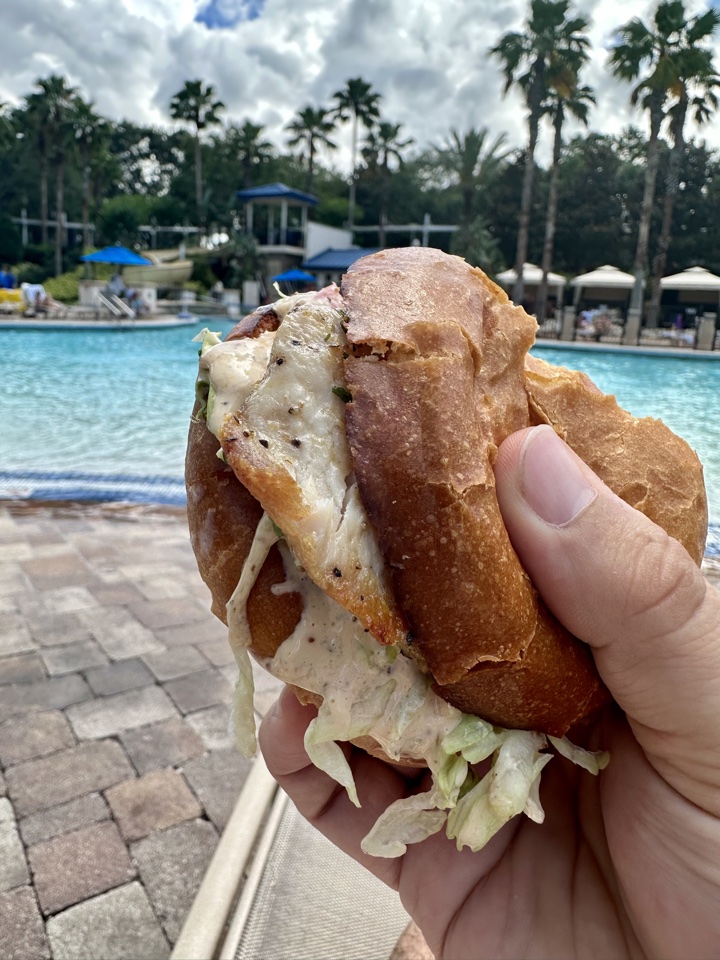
{"points": [[101, 409], [108, 410], [682, 393]]}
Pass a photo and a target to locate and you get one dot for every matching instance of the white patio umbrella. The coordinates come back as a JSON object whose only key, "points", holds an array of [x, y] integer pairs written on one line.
{"points": [[694, 278], [695, 286], [604, 282], [532, 276]]}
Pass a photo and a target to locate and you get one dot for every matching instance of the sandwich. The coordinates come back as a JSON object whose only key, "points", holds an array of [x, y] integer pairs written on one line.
{"points": [[342, 510]]}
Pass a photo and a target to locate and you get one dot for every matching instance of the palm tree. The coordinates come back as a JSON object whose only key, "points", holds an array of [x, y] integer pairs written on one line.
{"points": [[471, 162], [645, 56], [34, 119], [250, 149], [7, 123], [693, 92], [92, 137], [572, 100], [383, 148], [51, 110], [194, 104], [311, 128], [360, 103], [48, 112], [529, 61]]}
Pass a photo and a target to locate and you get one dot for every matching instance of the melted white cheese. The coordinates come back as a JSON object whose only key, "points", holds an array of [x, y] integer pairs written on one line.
{"points": [[298, 414], [233, 370]]}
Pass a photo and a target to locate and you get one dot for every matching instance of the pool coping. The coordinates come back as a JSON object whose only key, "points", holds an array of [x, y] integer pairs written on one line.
{"points": [[670, 353], [58, 485]]}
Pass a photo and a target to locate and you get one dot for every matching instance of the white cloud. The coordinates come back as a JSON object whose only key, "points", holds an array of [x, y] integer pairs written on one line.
{"points": [[429, 59]]}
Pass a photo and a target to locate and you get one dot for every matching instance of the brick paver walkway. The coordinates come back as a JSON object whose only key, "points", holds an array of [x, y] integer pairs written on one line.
{"points": [[117, 773]]}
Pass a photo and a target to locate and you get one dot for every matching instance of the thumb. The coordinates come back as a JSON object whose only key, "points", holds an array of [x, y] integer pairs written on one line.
{"points": [[622, 585]]}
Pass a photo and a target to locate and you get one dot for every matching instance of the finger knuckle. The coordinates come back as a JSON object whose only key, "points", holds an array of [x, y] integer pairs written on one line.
{"points": [[664, 588]]}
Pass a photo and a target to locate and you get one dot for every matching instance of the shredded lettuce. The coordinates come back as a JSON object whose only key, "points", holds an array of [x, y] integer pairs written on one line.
{"points": [[207, 339], [204, 391], [592, 761], [474, 738], [368, 689], [510, 787], [242, 716], [405, 821], [332, 724]]}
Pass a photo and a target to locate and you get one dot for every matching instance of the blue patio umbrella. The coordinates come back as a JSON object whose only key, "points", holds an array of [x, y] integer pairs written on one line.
{"points": [[294, 276], [120, 256]]}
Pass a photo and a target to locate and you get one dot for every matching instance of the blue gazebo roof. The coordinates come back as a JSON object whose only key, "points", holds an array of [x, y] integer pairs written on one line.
{"points": [[337, 259], [276, 191]]}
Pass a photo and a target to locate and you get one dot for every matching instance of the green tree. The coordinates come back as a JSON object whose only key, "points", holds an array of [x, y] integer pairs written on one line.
{"points": [[470, 162], [357, 102], [565, 99], [195, 105], [310, 129], [48, 112], [693, 92], [647, 56], [53, 106], [530, 61], [696, 211], [383, 149], [7, 124], [92, 138], [120, 218], [477, 244], [250, 149]]}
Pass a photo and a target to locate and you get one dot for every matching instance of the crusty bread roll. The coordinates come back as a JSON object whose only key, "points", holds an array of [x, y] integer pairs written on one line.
{"points": [[436, 364]]}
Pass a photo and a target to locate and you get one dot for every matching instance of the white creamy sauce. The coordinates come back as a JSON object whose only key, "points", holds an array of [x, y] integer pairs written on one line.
{"points": [[330, 653]]}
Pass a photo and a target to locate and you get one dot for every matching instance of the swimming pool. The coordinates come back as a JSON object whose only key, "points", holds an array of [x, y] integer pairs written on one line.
{"points": [[103, 411], [681, 392], [107, 411]]}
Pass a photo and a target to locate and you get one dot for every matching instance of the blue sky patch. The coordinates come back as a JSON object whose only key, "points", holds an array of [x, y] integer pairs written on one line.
{"points": [[219, 14]]}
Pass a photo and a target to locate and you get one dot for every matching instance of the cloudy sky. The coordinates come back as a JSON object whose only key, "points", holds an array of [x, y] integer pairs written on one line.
{"points": [[269, 58]]}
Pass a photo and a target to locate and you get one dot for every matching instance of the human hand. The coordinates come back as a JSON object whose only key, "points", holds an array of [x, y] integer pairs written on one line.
{"points": [[627, 864]]}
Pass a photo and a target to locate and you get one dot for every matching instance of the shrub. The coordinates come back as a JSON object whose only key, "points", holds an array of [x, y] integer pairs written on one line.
{"points": [[66, 287], [29, 273]]}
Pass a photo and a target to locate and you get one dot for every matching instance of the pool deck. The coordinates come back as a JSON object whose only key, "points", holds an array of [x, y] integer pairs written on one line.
{"points": [[664, 349], [159, 322], [117, 774]]}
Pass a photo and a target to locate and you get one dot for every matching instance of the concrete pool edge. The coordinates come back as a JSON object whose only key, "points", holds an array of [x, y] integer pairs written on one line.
{"points": [[80, 486], [668, 353]]}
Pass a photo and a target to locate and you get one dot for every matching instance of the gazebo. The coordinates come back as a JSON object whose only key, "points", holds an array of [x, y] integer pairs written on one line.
{"points": [[532, 276], [276, 216], [689, 295], [607, 284]]}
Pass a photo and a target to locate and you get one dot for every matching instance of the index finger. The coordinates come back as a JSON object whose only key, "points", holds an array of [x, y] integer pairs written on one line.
{"points": [[322, 801]]}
